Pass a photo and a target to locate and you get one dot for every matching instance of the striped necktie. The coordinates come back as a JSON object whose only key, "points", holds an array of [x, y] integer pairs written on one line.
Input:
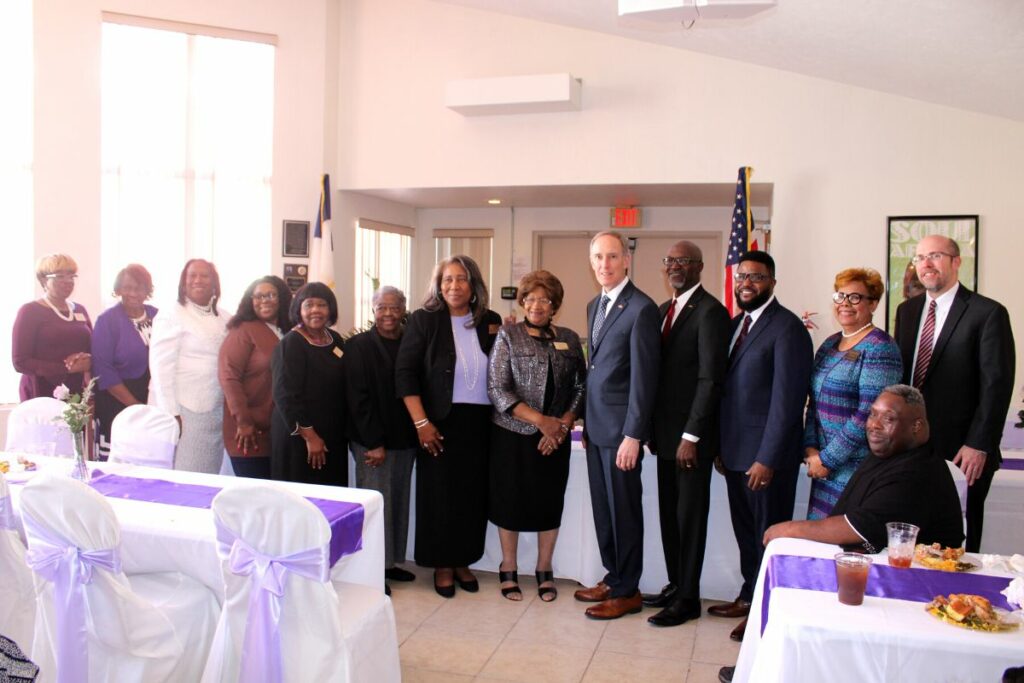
{"points": [[924, 347], [744, 330], [599, 317]]}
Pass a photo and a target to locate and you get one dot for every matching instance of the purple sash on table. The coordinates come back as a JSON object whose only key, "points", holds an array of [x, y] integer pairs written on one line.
{"points": [[345, 519], [917, 585], [1012, 464]]}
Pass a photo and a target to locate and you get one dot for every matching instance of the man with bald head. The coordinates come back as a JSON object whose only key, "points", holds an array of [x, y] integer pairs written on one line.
{"points": [[694, 358], [958, 349]]}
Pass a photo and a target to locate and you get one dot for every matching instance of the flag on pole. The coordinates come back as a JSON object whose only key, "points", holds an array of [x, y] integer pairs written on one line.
{"points": [[321, 254], [741, 239]]}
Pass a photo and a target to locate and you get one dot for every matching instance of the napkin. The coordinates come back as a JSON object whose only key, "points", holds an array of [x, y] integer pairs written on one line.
{"points": [[1015, 592], [1013, 564]]}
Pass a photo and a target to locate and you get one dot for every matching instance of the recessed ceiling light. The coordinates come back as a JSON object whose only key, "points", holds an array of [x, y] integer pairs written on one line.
{"points": [[494, 201]]}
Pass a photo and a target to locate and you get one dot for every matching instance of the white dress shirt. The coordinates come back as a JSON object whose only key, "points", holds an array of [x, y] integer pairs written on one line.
{"points": [[754, 315], [943, 303]]}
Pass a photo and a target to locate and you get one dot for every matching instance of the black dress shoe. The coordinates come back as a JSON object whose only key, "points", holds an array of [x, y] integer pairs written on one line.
{"points": [[444, 591], [679, 612], [662, 599], [399, 574], [387, 590], [725, 674], [468, 585]]}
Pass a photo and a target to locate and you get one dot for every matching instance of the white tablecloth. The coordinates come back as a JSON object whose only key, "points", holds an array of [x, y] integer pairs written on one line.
{"points": [[811, 637], [157, 538]]}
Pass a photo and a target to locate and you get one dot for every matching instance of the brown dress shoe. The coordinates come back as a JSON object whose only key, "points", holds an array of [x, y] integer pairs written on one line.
{"points": [[737, 633], [730, 610], [613, 608], [598, 593]]}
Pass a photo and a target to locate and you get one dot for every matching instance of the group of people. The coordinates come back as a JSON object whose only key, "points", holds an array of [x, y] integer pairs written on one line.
{"points": [[485, 408]]}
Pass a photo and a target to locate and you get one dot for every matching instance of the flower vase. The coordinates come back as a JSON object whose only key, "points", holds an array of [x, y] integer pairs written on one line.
{"points": [[79, 470]]}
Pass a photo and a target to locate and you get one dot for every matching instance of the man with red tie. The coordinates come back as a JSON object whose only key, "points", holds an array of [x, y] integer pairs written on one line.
{"points": [[958, 349], [694, 353]]}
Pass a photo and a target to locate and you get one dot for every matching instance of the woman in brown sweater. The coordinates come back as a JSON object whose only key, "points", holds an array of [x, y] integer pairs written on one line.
{"points": [[244, 372]]}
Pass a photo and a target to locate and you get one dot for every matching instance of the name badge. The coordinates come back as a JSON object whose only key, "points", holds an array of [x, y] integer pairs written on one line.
{"points": [[80, 317], [338, 352], [852, 355], [493, 329], [561, 346]]}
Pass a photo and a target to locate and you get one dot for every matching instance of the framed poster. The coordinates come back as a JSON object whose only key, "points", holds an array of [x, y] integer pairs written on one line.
{"points": [[904, 234], [295, 275], [295, 239]]}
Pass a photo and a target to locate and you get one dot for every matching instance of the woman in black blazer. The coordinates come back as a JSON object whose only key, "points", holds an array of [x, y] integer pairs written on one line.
{"points": [[441, 374]]}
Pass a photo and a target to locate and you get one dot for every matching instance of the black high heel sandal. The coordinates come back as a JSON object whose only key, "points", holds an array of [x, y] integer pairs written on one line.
{"points": [[544, 591], [512, 576]]}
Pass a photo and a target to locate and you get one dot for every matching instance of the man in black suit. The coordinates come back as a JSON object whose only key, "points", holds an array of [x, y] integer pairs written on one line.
{"points": [[762, 411], [694, 355], [958, 350], [622, 376]]}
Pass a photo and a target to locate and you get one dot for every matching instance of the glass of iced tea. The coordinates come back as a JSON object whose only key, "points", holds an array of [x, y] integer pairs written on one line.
{"points": [[852, 577], [902, 539]]}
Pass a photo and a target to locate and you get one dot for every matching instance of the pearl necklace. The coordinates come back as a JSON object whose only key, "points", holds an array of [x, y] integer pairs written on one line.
{"points": [[465, 369], [70, 317], [854, 334]]}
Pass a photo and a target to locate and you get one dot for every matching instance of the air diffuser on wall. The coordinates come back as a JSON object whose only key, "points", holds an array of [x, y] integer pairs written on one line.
{"points": [[514, 95], [691, 10]]}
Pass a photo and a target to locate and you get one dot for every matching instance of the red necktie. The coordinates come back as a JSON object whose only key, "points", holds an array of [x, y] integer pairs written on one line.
{"points": [[743, 335], [924, 347], [667, 327]]}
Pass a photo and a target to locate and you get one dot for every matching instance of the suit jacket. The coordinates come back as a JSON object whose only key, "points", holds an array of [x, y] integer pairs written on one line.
{"points": [[694, 361], [969, 384], [426, 360], [376, 417], [623, 364], [765, 392]]}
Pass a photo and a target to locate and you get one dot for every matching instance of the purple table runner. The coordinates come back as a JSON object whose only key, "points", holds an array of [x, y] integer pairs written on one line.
{"points": [[1012, 464], [917, 585], [345, 519]]}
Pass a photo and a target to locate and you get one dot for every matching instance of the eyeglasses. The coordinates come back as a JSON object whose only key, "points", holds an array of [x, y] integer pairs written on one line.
{"points": [[679, 261], [933, 256], [756, 278], [530, 301], [62, 277], [388, 308], [267, 296], [853, 297]]}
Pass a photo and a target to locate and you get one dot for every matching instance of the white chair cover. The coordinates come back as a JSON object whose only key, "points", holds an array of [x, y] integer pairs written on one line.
{"points": [[273, 540], [32, 428], [17, 594], [144, 435], [92, 624], [960, 480]]}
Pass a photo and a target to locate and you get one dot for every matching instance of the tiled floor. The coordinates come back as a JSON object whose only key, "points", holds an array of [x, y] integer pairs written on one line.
{"points": [[484, 637]]}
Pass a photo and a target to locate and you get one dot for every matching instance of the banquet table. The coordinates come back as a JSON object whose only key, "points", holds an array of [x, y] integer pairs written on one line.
{"points": [[809, 636], [161, 537]]}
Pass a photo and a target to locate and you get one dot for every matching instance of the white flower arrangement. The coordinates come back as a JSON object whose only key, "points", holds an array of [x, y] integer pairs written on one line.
{"points": [[78, 411]]}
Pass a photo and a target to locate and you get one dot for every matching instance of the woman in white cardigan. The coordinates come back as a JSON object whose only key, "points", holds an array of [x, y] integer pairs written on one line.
{"points": [[183, 363]]}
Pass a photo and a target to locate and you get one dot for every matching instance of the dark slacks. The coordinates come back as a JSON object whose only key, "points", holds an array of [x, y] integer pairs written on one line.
{"points": [[752, 513], [616, 498], [976, 495], [684, 498]]}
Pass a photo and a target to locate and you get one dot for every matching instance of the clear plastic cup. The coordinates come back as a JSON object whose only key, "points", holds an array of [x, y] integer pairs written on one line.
{"points": [[902, 539], [852, 577]]}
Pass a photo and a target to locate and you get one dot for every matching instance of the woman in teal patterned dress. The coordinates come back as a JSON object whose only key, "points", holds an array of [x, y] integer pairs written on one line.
{"points": [[850, 369]]}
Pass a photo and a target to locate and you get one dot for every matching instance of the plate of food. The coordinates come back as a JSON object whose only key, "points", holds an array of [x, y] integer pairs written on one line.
{"points": [[934, 556], [11, 469], [972, 612]]}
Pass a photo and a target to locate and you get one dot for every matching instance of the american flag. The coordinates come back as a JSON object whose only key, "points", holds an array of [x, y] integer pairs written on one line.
{"points": [[741, 238]]}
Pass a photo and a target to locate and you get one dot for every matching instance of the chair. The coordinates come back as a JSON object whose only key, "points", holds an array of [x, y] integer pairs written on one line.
{"points": [[273, 546], [144, 435], [33, 427], [18, 606], [92, 622], [960, 480]]}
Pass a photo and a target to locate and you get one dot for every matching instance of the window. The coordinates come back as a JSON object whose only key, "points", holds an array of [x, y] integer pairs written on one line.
{"points": [[16, 262], [187, 138], [383, 257], [477, 244]]}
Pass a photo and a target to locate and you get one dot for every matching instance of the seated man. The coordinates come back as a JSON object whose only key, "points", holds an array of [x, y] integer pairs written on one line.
{"points": [[901, 481]]}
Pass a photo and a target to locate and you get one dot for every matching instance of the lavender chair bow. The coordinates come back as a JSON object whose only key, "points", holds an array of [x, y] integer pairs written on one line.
{"points": [[7, 514], [261, 645], [69, 569]]}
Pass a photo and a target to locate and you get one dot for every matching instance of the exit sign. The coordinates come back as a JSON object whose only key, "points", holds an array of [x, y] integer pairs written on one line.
{"points": [[626, 217]]}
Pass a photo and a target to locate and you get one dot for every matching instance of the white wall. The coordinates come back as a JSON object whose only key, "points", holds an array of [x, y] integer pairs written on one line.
{"points": [[841, 158], [67, 114]]}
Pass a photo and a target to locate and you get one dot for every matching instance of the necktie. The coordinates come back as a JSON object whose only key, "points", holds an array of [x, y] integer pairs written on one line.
{"points": [[743, 335], [599, 317], [667, 327], [924, 347]]}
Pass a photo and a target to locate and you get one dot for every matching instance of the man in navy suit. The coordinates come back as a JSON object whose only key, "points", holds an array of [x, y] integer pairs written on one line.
{"points": [[762, 410], [622, 379], [958, 350]]}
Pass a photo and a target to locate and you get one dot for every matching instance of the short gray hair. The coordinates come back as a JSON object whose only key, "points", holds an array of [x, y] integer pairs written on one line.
{"points": [[910, 395], [611, 233], [385, 290]]}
